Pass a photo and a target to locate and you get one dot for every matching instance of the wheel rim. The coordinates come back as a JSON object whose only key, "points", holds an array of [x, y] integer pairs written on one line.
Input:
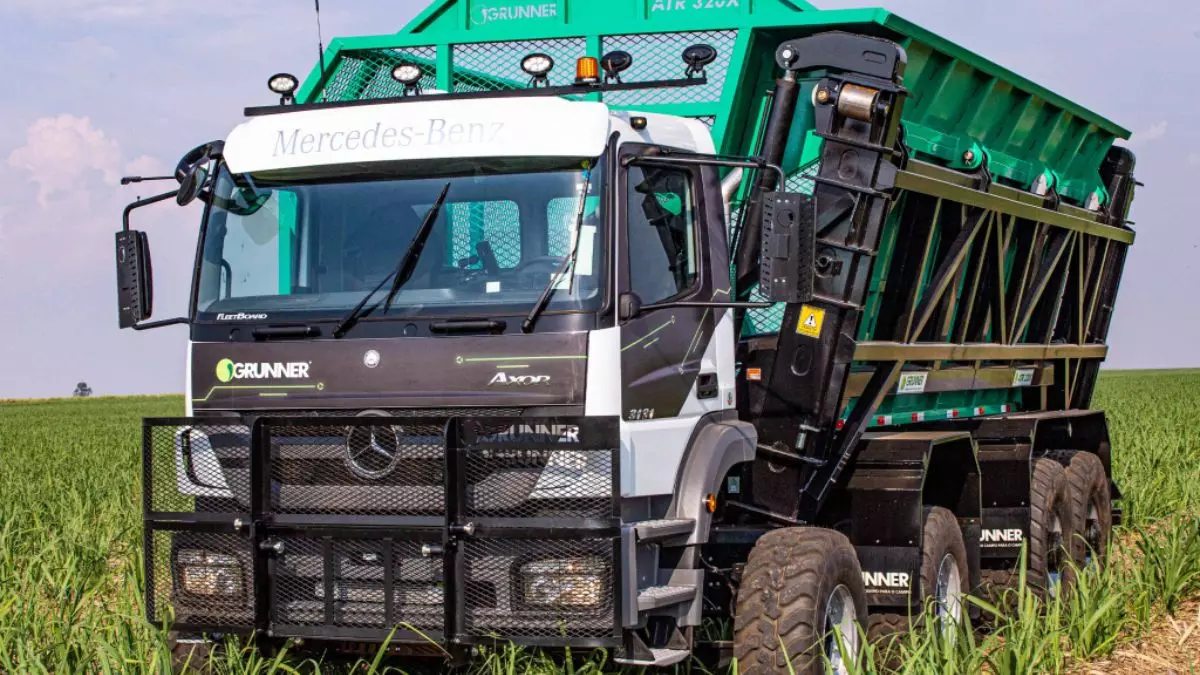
{"points": [[1055, 556], [841, 617], [1092, 534], [948, 595]]}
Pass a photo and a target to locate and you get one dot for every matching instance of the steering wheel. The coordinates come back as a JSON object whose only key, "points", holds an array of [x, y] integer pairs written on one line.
{"points": [[536, 272]]}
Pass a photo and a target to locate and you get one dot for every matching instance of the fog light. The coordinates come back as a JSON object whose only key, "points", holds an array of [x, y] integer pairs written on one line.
{"points": [[570, 582], [209, 574]]}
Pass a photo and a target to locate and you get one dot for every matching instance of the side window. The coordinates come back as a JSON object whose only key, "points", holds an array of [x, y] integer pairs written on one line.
{"points": [[661, 233]]}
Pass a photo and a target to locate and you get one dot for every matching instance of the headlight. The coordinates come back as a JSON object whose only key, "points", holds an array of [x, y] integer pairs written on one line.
{"points": [[570, 582], [208, 574]]}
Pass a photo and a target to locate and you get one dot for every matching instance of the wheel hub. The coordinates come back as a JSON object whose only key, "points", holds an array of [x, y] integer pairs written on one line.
{"points": [[948, 594], [841, 630]]}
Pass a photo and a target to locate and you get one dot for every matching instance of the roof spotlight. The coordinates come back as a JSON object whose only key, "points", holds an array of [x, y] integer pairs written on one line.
{"points": [[697, 57], [284, 84], [538, 67], [615, 63], [410, 76]]}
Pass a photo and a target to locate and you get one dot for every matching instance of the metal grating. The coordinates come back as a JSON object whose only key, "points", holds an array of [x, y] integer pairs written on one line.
{"points": [[392, 412], [707, 120], [196, 468], [345, 583], [659, 56], [497, 222], [199, 578], [539, 483], [358, 469], [366, 74], [560, 221], [539, 588], [488, 66]]}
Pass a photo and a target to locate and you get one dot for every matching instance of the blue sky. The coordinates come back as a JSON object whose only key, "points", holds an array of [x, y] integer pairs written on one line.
{"points": [[99, 88]]}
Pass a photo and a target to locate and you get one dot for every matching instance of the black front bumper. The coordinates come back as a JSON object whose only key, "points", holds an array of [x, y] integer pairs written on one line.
{"points": [[455, 531]]}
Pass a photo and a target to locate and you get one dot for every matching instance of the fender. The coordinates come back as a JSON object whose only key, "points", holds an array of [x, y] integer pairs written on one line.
{"points": [[720, 442]]}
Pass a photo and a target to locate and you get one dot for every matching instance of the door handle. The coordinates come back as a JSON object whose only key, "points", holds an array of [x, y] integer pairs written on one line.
{"points": [[706, 386]]}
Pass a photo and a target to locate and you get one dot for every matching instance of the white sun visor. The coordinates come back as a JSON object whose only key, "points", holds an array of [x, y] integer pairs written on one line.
{"points": [[415, 130]]}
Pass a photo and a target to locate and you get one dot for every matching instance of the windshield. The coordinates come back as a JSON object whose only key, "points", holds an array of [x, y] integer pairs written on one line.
{"points": [[311, 249]]}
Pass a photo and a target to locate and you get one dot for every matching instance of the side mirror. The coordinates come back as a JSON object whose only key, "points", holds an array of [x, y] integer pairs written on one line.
{"points": [[788, 247], [135, 291], [629, 306]]}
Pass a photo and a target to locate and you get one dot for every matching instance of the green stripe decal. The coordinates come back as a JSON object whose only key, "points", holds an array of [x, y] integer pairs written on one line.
{"points": [[259, 388]]}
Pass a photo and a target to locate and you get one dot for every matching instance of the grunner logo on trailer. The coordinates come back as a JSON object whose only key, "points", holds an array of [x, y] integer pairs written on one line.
{"points": [[552, 327]]}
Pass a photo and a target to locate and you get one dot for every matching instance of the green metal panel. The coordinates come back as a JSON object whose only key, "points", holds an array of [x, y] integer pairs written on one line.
{"points": [[962, 107]]}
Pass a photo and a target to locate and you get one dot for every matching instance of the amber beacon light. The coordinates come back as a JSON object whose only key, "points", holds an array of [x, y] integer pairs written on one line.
{"points": [[587, 70]]}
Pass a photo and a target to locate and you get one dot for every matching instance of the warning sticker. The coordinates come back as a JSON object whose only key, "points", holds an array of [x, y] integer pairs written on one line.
{"points": [[811, 319]]}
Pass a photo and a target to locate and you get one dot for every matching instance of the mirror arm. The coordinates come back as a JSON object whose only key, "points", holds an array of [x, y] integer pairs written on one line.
{"points": [[159, 324], [143, 202], [707, 160]]}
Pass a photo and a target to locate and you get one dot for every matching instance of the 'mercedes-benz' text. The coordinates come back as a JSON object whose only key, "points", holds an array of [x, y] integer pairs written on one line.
{"points": [[437, 132]]}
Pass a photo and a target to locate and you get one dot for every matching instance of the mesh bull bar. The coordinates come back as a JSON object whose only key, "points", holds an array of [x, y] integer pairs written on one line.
{"points": [[350, 528]]}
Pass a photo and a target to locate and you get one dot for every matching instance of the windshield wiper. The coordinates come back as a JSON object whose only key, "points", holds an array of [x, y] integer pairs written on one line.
{"points": [[567, 263], [404, 270]]}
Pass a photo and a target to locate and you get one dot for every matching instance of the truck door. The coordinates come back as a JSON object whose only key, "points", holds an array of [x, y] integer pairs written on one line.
{"points": [[676, 362]]}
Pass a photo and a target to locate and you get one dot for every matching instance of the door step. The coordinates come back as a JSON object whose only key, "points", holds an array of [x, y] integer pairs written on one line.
{"points": [[657, 597], [660, 657], [655, 530]]}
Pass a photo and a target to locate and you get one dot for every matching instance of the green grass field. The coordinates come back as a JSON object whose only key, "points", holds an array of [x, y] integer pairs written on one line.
{"points": [[70, 536]]}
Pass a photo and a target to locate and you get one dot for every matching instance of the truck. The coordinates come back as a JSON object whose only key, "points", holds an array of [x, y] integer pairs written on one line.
{"points": [[622, 325]]}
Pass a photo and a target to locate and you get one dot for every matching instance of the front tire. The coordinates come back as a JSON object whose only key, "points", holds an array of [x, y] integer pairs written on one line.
{"points": [[800, 588]]}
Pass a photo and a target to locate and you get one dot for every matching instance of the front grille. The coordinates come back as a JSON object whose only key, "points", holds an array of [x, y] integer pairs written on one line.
{"points": [[358, 470]]}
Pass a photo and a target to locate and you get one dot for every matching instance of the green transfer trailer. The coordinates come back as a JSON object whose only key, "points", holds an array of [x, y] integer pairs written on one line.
{"points": [[891, 268]]}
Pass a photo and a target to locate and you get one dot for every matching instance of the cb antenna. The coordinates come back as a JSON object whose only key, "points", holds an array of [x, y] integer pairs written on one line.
{"points": [[320, 41]]}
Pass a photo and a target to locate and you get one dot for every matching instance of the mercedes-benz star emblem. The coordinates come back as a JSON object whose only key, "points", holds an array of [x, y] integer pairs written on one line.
{"points": [[371, 358], [372, 452]]}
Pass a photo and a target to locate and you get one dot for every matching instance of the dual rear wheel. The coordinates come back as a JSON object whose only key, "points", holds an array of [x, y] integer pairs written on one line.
{"points": [[802, 599]]}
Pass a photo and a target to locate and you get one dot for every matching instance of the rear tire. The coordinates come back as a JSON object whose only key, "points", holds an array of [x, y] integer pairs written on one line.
{"points": [[1091, 506], [945, 575], [1051, 528], [798, 585]]}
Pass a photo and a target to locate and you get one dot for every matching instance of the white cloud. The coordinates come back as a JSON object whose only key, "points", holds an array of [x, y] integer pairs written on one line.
{"points": [[60, 152], [1152, 133]]}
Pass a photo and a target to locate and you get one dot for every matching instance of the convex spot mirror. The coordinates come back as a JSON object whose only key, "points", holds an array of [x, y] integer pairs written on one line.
{"points": [[192, 171]]}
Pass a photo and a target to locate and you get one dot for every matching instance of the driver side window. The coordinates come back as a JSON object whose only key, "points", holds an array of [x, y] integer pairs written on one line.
{"points": [[661, 232]]}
